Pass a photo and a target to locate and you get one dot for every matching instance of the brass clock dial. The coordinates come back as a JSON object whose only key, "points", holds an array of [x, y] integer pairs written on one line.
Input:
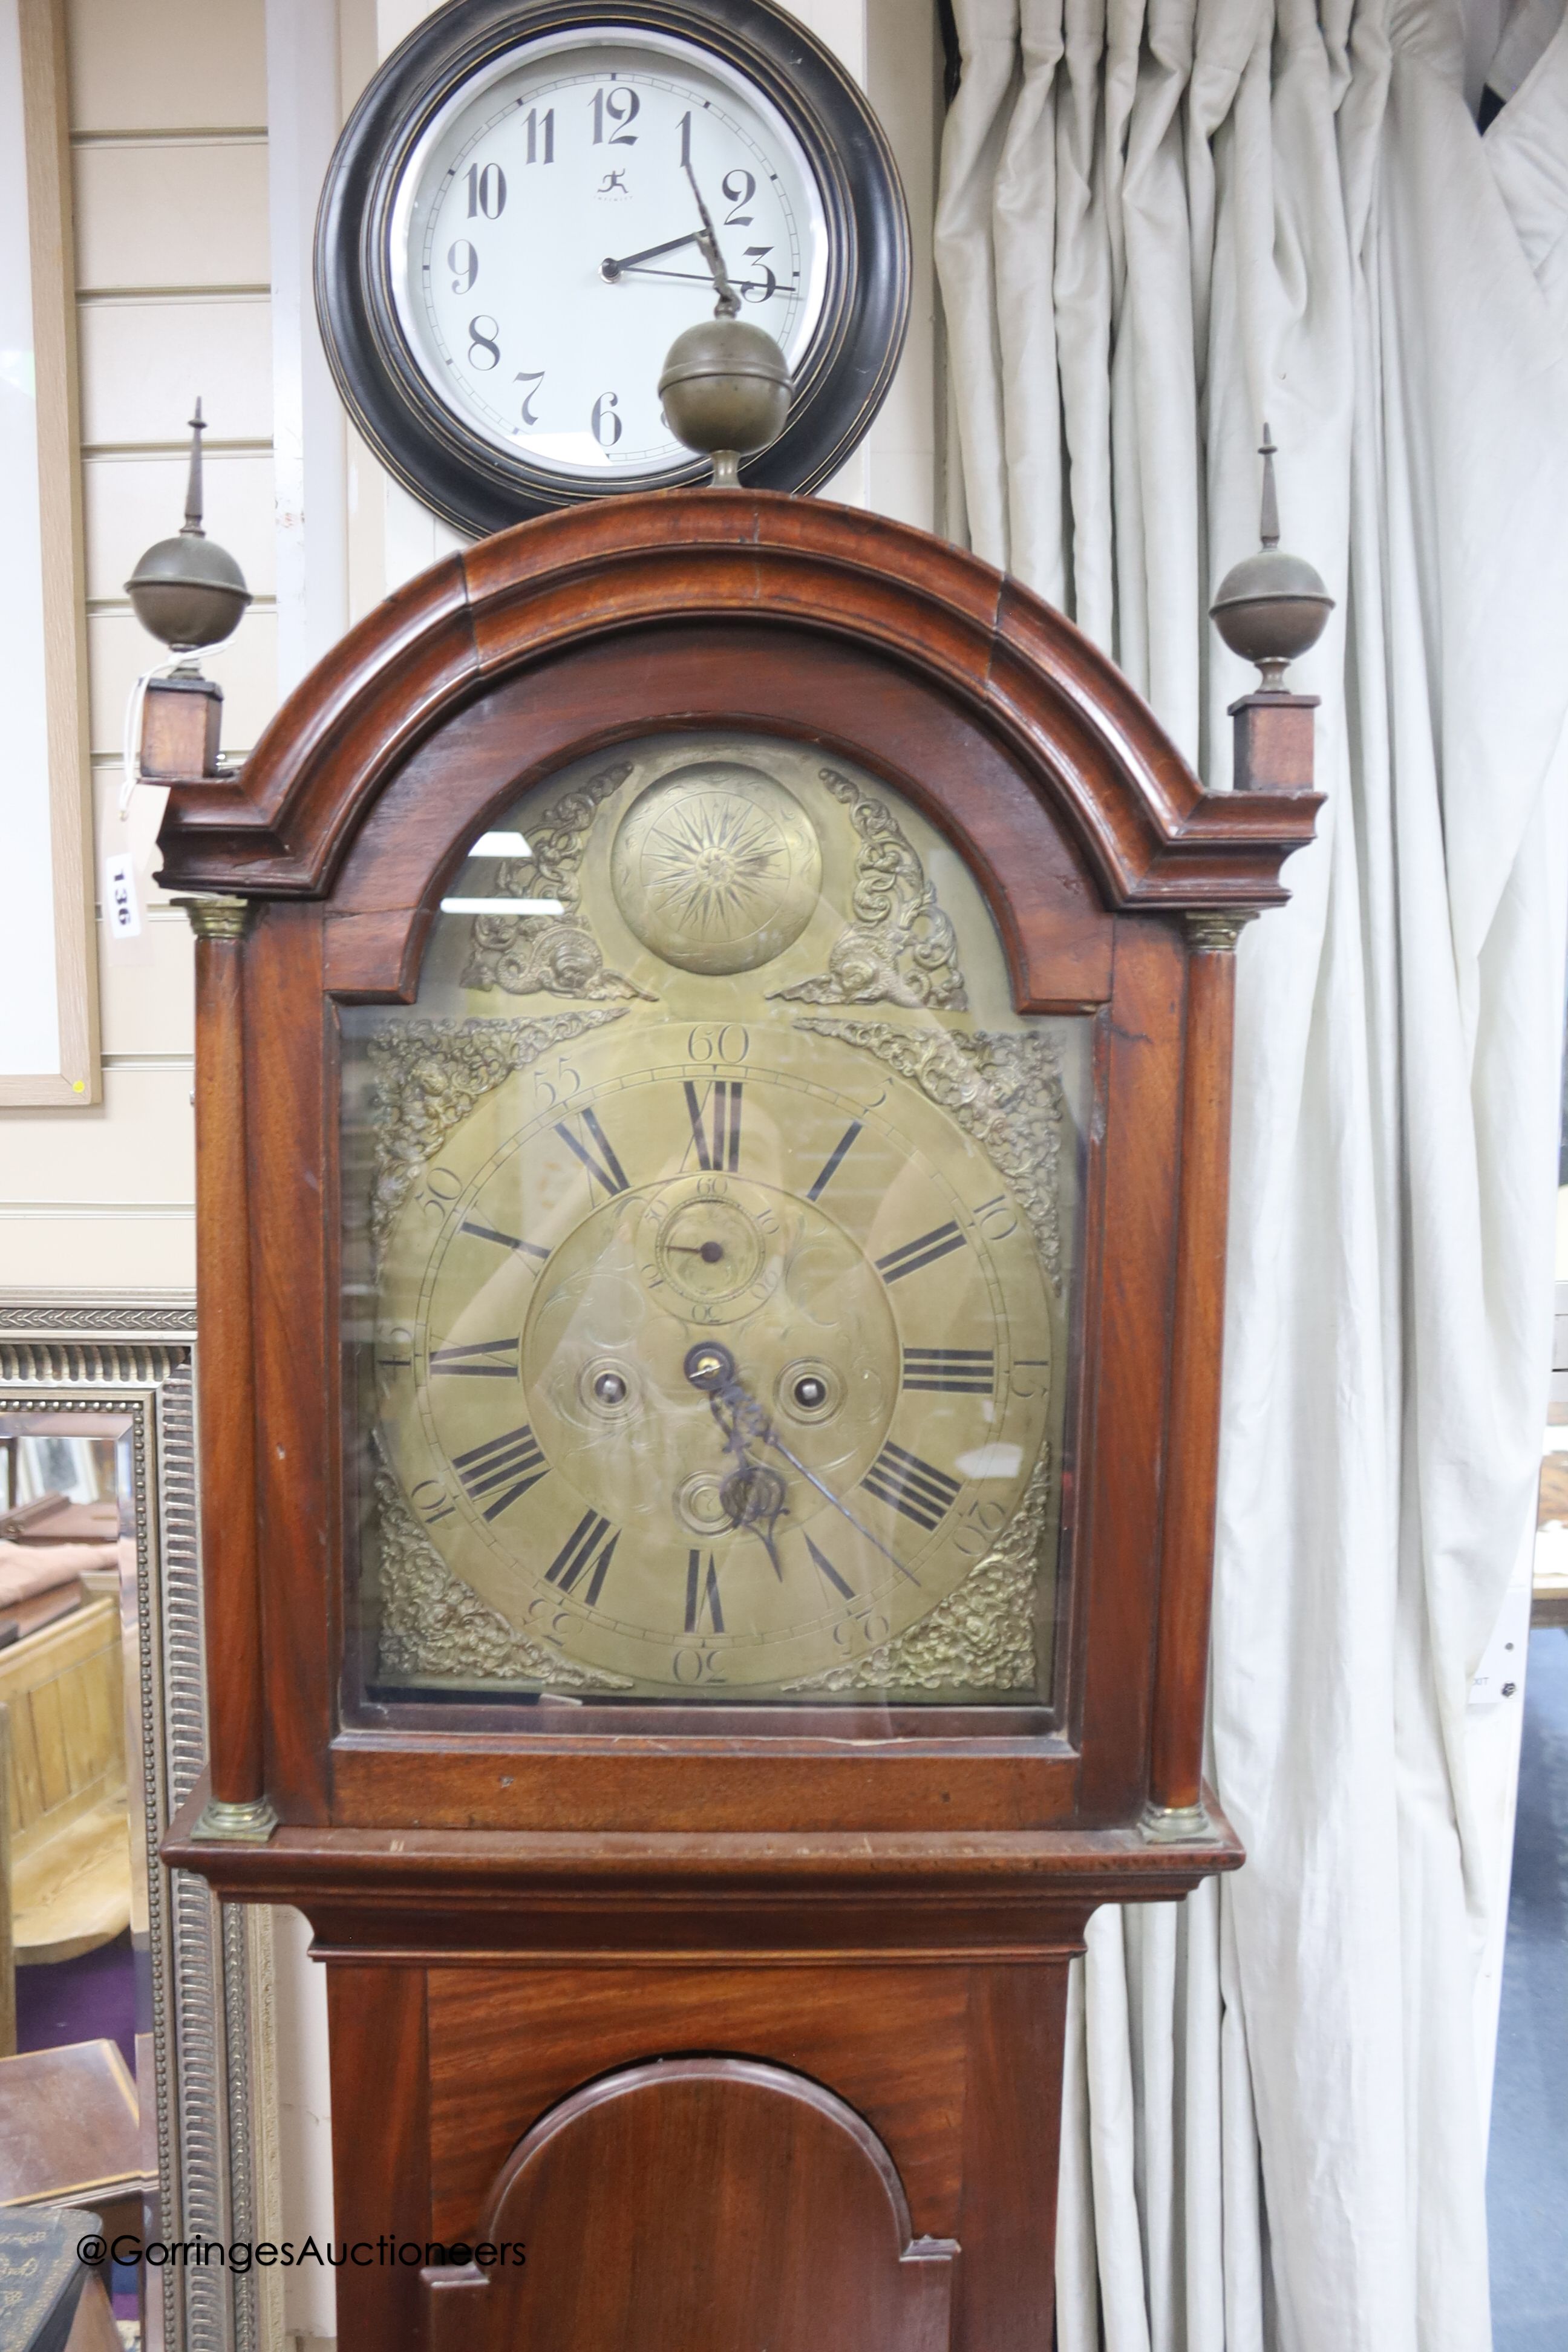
{"points": [[718, 1335]]}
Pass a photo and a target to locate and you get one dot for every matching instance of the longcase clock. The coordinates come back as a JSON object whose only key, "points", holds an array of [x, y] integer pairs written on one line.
{"points": [[713, 1084]]}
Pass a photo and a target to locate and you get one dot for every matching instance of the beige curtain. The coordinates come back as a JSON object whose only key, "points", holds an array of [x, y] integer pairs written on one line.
{"points": [[1161, 221]]}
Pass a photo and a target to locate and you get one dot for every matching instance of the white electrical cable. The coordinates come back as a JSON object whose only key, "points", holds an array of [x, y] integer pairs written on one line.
{"points": [[131, 744]]}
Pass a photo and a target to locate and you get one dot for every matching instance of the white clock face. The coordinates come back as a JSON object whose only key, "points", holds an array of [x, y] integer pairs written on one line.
{"points": [[543, 242]]}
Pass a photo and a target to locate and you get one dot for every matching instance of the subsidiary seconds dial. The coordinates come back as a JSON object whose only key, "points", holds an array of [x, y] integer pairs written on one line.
{"points": [[508, 244]]}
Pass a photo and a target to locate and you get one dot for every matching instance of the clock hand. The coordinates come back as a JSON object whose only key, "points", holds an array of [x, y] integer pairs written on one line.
{"points": [[691, 278], [752, 1493], [828, 1496], [728, 303], [610, 267], [712, 1367]]}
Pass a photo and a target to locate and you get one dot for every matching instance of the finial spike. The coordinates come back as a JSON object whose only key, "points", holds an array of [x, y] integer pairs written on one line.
{"points": [[193, 524], [1268, 526]]}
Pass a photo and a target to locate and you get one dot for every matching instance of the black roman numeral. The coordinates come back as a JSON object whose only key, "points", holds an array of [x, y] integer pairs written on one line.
{"points": [[958, 1371], [828, 1572], [830, 1166], [910, 1485], [599, 1158], [587, 1551], [514, 1462], [725, 1151], [503, 1241], [703, 1593], [482, 1360], [925, 1251]]}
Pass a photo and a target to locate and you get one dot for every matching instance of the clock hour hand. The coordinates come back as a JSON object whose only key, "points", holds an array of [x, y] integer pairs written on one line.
{"points": [[610, 267]]}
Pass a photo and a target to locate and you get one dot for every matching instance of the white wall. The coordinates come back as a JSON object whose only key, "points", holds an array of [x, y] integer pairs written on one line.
{"points": [[169, 153], [200, 133]]}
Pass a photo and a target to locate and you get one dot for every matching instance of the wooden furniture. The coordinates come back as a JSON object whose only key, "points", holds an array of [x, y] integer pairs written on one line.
{"points": [[70, 2131], [71, 1857], [754, 2016], [56, 1519]]}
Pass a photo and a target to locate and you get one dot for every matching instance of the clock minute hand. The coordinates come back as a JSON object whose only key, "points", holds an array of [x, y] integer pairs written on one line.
{"points": [[612, 265], [707, 242], [710, 1367], [768, 1438]]}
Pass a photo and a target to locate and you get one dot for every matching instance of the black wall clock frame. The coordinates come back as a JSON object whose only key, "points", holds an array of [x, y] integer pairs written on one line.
{"points": [[839, 384]]}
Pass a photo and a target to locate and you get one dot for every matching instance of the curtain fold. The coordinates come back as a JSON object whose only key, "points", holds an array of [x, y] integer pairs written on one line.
{"points": [[1159, 222]]}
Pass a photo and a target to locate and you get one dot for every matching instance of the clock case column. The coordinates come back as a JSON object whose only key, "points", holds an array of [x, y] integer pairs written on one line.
{"points": [[509, 1877]]}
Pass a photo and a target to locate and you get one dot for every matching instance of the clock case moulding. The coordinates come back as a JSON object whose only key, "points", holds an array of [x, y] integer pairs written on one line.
{"points": [[838, 386], [519, 1926]]}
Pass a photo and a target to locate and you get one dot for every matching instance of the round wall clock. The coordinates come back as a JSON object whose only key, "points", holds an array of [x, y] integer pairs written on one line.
{"points": [[507, 245]]}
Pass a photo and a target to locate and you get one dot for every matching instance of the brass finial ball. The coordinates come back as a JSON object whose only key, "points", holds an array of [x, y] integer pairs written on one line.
{"points": [[189, 592], [1271, 607], [725, 390]]}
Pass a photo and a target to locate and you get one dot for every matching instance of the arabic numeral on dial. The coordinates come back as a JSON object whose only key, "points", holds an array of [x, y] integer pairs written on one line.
{"points": [[764, 287], [996, 1219], [979, 1527], [463, 264], [532, 378], [619, 107], [695, 1665], [540, 135], [484, 334], [604, 423], [553, 1084], [866, 1630], [431, 1500], [487, 192], [728, 1041], [442, 1187], [738, 188]]}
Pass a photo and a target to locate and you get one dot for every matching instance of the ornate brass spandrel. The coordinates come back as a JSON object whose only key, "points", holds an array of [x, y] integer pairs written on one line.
{"points": [[982, 1638], [429, 1075], [553, 954], [900, 949], [431, 1623], [1003, 1089]]}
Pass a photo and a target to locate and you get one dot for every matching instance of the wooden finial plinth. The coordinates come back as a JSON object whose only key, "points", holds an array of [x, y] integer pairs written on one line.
{"points": [[1273, 742]]}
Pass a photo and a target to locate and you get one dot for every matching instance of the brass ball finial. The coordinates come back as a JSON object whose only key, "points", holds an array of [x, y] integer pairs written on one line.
{"points": [[725, 389], [725, 385], [1271, 607], [189, 592]]}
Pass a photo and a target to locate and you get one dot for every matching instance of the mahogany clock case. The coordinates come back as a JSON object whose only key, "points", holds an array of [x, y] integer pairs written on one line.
{"points": [[1108, 874]]}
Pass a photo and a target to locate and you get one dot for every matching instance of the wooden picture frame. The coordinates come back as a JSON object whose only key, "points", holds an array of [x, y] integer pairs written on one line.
{"points": [[43, 667]]}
